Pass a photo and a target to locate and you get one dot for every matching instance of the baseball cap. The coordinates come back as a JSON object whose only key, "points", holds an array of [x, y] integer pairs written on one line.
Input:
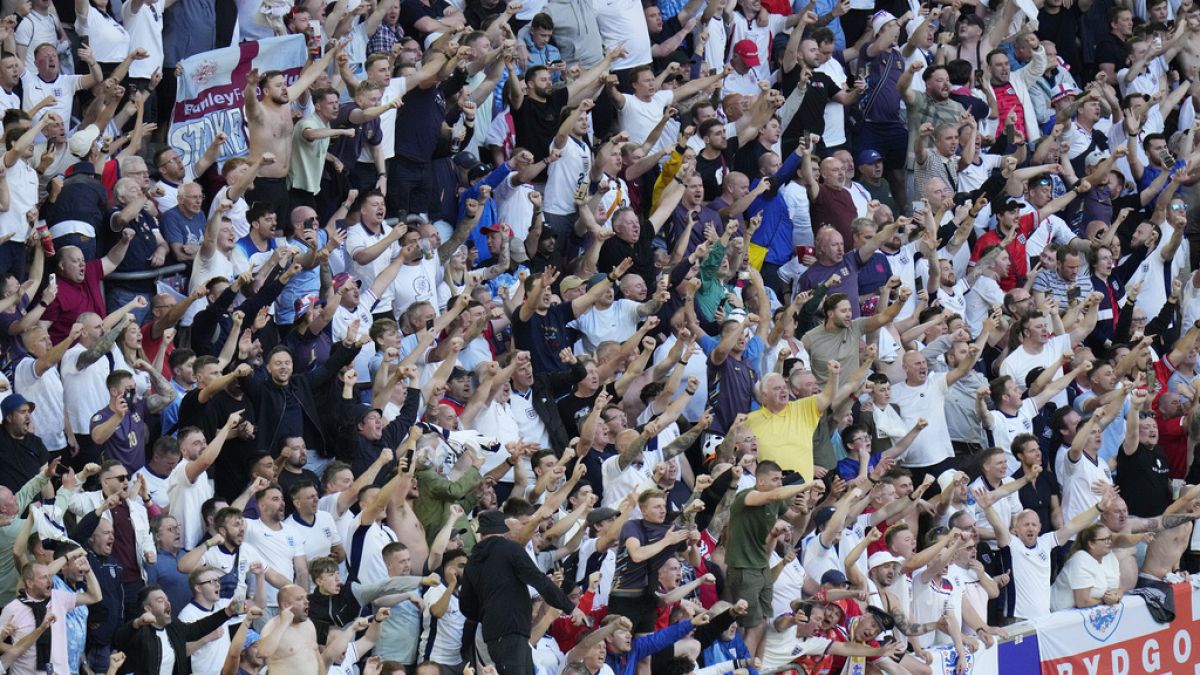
{"points": [[466, 160], [305, 303], [569, 283], [748, 51], [496, 228], [834, 578], [822, 516], [882, 558], [869, 156], [597, 278], [1006, 206], [12, 403], [342, 278], [458, 372], [362, 410], [82, 141]]}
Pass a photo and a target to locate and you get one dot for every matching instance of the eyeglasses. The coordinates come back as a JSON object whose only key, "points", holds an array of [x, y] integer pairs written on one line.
{"points": [[122, 478], [1104, 540], [207, 582]]}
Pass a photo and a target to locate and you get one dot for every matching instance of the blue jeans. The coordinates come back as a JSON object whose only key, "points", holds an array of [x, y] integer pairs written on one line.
{"points": [[97, 657], [12, 260], [116, 297]]}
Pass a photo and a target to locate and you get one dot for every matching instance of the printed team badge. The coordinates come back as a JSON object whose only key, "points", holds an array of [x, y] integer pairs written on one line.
{"points": [[1101, 621], [203, 73], [950, 660]]}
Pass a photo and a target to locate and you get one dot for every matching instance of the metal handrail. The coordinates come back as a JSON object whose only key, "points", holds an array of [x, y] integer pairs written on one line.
{"points": [[167, 271]]}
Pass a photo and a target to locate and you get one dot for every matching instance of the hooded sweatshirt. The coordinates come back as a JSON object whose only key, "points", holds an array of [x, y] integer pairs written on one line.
{"points": [[494, 589]]}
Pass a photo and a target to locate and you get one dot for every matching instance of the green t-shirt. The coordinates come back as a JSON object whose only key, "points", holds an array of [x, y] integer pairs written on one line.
{"points": [[748, 530], [308, 157]]}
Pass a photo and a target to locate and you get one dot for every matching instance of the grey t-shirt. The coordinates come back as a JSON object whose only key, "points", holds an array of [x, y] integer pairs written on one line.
{"points": [[841, 345]]}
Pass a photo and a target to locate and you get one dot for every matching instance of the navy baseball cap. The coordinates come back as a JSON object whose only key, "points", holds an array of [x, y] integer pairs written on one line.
{"points": [[868, 156]]}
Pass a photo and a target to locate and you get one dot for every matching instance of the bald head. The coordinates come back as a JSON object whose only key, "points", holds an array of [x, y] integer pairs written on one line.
{"points": [[289, 594], [8, 503]]}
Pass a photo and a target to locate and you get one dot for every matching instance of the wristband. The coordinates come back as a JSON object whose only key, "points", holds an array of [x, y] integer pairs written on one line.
{"points": [[690, 392]]}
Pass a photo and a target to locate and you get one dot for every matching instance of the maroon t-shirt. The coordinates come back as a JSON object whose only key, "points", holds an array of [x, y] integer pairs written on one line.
{"points": [[74, 299], [836, 208], [125, 543]]}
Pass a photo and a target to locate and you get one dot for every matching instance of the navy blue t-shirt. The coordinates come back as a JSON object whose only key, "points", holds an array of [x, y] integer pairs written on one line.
{"points": [[141, 247], [544, 336]]}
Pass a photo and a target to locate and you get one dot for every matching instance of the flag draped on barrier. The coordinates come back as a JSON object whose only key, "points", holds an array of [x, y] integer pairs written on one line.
{"points": [[1122, 639]]}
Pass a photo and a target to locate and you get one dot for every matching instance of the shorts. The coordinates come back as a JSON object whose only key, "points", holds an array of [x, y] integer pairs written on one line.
{"points": [[755, 587], [640, 610], [889, 139]]}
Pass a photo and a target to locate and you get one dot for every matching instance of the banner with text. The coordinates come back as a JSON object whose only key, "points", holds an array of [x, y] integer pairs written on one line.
{"points": [[210, 93], [1122, 639]]}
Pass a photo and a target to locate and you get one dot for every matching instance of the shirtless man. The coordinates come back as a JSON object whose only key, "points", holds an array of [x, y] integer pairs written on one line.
{"points": [[289, 641], [1128, 531], [1190, 53], [1168, 546], [270, 127]]}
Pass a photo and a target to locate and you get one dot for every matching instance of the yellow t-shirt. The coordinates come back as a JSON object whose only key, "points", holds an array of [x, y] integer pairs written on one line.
{"points": [[786, 438]]}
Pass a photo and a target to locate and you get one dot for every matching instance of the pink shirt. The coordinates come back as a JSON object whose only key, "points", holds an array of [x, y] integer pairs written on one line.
{"points": [[21, 617]]}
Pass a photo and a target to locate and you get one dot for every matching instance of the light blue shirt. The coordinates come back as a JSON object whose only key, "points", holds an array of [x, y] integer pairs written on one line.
{"points": [[401, 631], [76, 627], [1114, 434]]}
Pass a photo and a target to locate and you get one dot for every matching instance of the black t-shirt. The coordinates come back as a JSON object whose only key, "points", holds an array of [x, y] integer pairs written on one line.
{"points": [[746, 159], [537, 122], [414, 10], [1145, 480], [231, 470], [1053, 27], [810, 116], [713, 171], [573, 410], [1110, 49], [670, 28], [617, 249], [287, 480], [1036, 497]]}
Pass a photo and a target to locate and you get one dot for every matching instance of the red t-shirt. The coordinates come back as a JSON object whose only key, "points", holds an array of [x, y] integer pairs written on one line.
{"points": [[74, 299], [1173, 439], [150, 345], [1019, 265]]}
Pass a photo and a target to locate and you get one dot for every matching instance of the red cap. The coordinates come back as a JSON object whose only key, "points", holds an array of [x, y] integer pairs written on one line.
{"points": [[748, 51]]}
